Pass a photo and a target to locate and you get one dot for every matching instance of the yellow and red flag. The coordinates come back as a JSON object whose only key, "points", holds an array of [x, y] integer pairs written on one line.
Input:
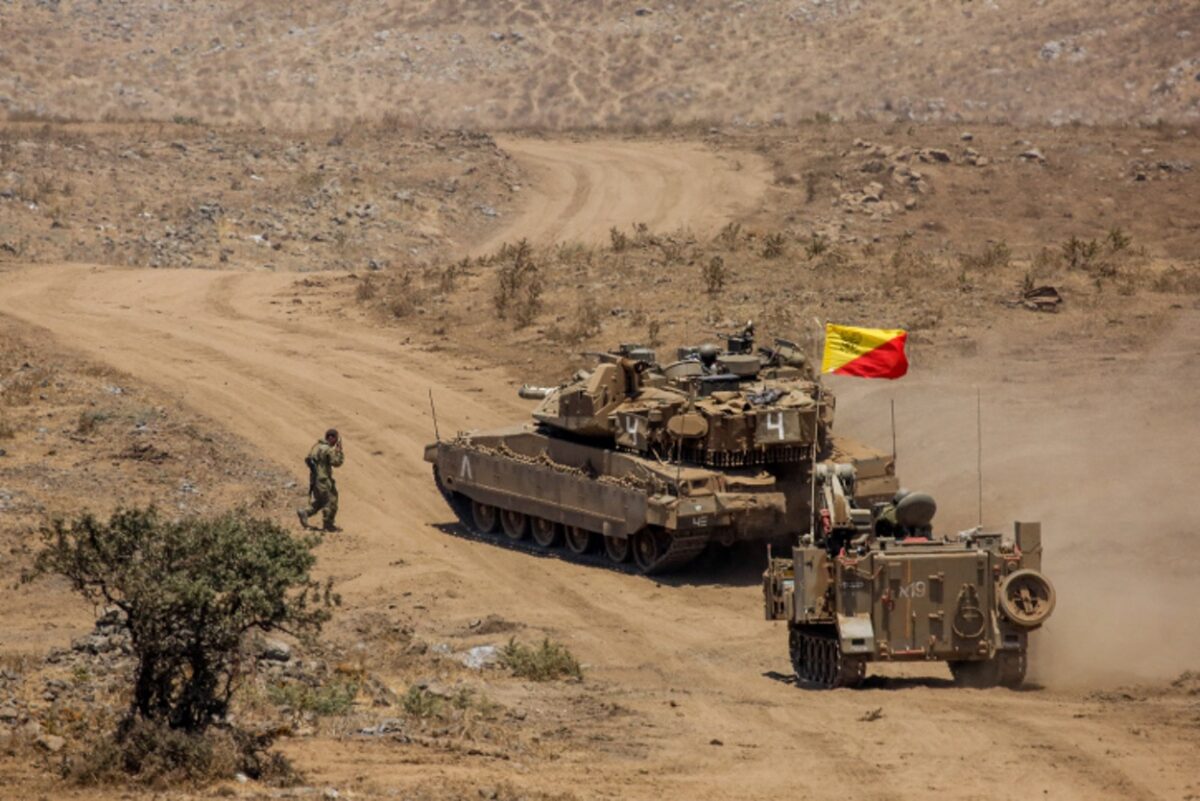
{"points": [[864, 352]]}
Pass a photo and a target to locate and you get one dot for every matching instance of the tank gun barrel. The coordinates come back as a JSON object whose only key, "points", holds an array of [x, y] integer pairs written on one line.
{"points": [[530, 392]]}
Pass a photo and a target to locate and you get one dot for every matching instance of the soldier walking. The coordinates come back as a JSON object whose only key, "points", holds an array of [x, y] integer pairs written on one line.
{"points": [[324, 456]]}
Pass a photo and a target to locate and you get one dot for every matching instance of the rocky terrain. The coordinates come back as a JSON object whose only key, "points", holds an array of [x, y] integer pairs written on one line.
{"points": [[191, 196]]}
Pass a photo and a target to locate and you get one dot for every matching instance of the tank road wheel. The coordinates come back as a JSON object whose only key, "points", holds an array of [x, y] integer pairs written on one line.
{"points": [[546, 533], [486, 518], [617, 549], [516, 524], [579, 541], [649, 547]]}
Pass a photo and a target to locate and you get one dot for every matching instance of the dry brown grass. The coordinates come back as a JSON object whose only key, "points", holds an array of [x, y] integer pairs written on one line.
{"points": [[585, 65]]}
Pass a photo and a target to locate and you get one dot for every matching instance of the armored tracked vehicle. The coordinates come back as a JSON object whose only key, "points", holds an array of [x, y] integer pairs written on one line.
{"points": [[655, 461], [878, 585]]}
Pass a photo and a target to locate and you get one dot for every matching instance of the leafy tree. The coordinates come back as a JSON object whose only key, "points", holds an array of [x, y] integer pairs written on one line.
{"points": [[190, 591]]}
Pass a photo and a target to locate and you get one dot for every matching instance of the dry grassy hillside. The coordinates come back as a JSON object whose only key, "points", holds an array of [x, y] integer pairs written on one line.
{"points": [[167, 195], [513, 65]]}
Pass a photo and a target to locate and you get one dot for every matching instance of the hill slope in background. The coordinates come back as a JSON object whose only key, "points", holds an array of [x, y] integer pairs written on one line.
{"points": [[601, 63]]}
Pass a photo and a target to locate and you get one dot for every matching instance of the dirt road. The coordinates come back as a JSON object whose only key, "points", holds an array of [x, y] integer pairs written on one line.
{"points": [[713, 716], [693, 661], [580, 190]]}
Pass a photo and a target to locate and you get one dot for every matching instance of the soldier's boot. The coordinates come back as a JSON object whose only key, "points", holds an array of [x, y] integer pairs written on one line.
{"points": [[329, 514], [303, 515]]}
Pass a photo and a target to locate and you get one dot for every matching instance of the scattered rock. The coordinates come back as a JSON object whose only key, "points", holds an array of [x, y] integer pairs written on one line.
{"points": [[50, 743], [872, 715], [388, 726], [715, 741], [932, 155], [481, 656], [1033, 154], [275, 651]]}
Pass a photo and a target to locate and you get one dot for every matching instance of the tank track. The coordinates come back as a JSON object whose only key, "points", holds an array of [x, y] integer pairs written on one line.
{"points": [[680, 550], [818, 660], [1006, 669], [683, 549]]}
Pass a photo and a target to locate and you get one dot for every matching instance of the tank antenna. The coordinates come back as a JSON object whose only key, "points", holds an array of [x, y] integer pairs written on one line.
{"points": [[433, 410], [979, 448], [812, 470], [893, 432]]}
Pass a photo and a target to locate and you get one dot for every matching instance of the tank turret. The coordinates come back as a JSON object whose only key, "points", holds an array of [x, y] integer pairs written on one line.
{"points": [[657, 460]]}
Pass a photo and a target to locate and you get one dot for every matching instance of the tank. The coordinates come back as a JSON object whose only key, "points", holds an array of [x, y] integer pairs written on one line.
{"points": [[879, 584], [652, 462]]}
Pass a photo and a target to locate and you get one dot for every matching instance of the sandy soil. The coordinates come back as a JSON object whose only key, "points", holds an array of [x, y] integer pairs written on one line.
{"points": [[582, 189], [603, 63], [712, 715]]}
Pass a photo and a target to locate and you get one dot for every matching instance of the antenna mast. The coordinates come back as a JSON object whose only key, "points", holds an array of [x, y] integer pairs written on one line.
{"points": [[979, 449], [433, 410]]}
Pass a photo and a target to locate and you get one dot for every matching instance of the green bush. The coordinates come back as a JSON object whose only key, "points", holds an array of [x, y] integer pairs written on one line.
{"points": [[550, 660], [189, 591], [334, 698]]}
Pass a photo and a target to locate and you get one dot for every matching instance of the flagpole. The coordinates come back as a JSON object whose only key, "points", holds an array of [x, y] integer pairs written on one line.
{"points": [[893, 433]]}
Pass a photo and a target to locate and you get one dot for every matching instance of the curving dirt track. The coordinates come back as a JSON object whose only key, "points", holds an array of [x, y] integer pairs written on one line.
{"points": [[692, 658], [582, 189]]}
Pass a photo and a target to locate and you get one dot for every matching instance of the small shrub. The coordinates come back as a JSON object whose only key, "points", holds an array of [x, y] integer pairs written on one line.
{"points": [[730, 235], [654, 334], [672, 251], [585, 323], [714, 274], [89, 421], [620, 242], [366, 290], [448, 277], [907, 262], [402, 296], [812, 182], [773, 246], [155, 754], [519, 285], [816, 245], [1178, 280], [1117, 240], [1079, 254], [334, 698], [181, 119], [550, 660], [993, 256], [420, 703]]}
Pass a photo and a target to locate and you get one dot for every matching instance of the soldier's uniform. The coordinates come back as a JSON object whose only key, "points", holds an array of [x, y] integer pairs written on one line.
{"points": [[321, 460]]}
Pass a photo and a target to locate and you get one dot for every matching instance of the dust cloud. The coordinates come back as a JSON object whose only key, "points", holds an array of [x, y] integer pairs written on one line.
{"points": [[1104, 454]]}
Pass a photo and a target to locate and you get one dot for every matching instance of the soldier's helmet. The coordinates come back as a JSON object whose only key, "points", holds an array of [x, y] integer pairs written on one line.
{"points": [[900, 495], [331, 434], [708, 354]]}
